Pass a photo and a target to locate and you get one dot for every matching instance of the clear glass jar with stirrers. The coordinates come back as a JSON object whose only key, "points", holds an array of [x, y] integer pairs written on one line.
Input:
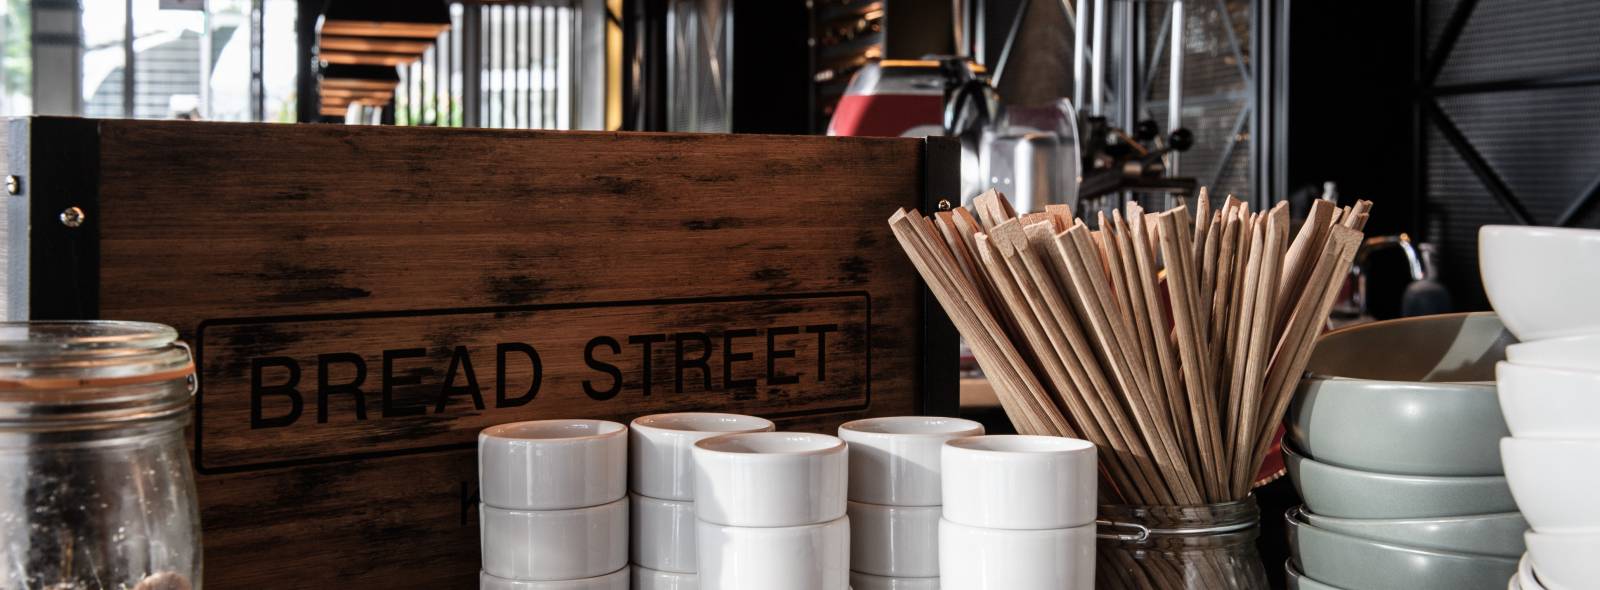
{"points": [[1208, 546], [96, 490]]}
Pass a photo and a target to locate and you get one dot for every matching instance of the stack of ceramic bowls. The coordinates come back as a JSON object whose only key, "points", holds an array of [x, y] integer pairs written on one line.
{"points": [[770, 512], [895, 498], [1393, 443], [1018, 513], [553, 515], [661, 477], [1543, 284]]}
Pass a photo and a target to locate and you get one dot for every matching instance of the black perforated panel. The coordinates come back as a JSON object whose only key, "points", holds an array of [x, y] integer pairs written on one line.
{"points": [[1521, 84]]}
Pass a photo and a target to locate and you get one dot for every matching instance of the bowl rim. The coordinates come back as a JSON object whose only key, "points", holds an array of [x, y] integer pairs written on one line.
{"points": [[1526, 230], [1291, 455], [1437, 520], [1314, 376], [1294, 520], [692, 422], [892, 427]]}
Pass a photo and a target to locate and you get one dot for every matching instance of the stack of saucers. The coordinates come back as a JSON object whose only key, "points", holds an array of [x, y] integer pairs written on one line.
{"points": [[1019, 513], [661, 478], [553, 515], [1543, 284], [895, 498], [1393, 443], [770, 512]]}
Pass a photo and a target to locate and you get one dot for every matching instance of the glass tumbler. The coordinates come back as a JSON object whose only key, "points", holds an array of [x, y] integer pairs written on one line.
{"points": [[96, 490], [1171, 547]]}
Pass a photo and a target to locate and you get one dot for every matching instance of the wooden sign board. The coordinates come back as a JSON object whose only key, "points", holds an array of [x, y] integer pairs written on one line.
{"points": [[363, 300]]}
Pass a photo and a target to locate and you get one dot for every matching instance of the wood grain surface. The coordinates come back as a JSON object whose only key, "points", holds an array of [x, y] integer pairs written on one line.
{"points": [[329, 245]]}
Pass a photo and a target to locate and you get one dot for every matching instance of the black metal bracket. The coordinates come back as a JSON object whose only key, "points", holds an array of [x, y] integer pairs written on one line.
{"points": [[939, 367], [62, 189]]}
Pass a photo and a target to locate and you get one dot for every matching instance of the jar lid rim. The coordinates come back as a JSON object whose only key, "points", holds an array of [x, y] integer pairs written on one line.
{"points": [[23, 341], [60, 372]]}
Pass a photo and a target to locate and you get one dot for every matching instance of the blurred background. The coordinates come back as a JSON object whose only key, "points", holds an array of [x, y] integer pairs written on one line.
{"points": [[1449, 114]]}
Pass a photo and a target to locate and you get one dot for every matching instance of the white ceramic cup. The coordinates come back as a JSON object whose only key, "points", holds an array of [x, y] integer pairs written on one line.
{"points": [[617, 580], [554, 544], [1541, 280], [894, 461], [648, 579], [1555, 482], [1578, 353], [894, 541], [662, 464], [1019, 482], [808, 557], [976, 558], [860, 581], [663, 534], [1565, 561], [770, 479], [552, 464], [1541, 402]]}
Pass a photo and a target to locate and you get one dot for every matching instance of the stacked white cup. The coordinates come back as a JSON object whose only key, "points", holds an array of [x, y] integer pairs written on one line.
{"points": [[1542, 283], [552, 515], [770, 512], [662, 481], [1018, 513], [895, 498]]}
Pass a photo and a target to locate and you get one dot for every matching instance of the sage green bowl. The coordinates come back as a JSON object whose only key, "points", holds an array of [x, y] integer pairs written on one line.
{"points": [[1414, 396], [1334, 491], [1361, 564], [1488, 534], [1299, 581]]}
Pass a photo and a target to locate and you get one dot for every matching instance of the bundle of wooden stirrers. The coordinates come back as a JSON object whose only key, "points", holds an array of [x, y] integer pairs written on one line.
{"points": [[1173, 345]]}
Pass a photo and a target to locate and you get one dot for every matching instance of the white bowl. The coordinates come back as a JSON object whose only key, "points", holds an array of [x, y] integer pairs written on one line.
{"points": [[554, 544], [770, 479], [894, 541], [663, 534], [1019, 482], [1525, 577], [660, 449], [1541, 280], [1541, 402], [1565, 561], [1578, 353], [617, 580], [977, 558], [860, 581], [648, 579], [894, 461], [809, 557], [1555, 482], [552, 464]]}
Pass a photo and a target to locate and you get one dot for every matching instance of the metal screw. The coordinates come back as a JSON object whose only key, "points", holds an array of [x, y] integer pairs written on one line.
{"points": [[72, 217], [13, 184], [944, 204]]}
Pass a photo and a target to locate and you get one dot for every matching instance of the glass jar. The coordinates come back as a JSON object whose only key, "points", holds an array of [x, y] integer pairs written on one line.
{"points": [[1211, 547], [95, 485]]}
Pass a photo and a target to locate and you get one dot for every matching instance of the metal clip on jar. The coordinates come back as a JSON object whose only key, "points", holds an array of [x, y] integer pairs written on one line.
{"points": [[96, 490], [1180, 547]]}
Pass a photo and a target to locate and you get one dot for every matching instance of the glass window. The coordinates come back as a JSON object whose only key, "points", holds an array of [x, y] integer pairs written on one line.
{"points": [[104, 32], [16, 59], [209, 64], [279, 64]]}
